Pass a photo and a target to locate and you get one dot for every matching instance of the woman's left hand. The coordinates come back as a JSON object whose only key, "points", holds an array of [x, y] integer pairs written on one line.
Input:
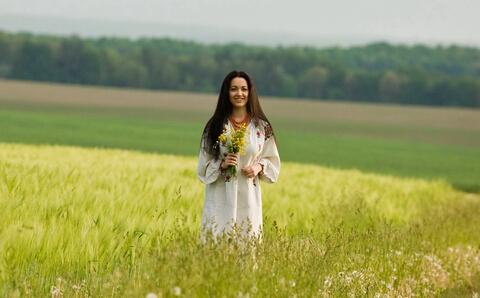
{"points": [[252, 171]]}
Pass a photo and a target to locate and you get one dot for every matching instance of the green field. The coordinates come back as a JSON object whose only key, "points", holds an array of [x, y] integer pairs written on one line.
{"points": [[91, 222], [407, 142], [375, 201]]}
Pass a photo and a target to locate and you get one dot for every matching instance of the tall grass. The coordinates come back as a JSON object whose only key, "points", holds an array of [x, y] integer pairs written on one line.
{"points": [[94, 222]]}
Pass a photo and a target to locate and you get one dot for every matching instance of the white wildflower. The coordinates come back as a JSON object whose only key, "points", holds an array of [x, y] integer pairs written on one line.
{"points": [[176, 291], [56, 292], [76, 288], [348, 279], [328, 282], [242, 295]]}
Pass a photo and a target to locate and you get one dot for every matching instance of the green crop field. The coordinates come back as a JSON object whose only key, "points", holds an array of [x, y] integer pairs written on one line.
{"points": [[376, 201], [402, 141], [96, 222]]}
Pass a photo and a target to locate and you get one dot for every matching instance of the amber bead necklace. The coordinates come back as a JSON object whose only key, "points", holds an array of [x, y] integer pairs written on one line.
{"points": [[237, 124]]}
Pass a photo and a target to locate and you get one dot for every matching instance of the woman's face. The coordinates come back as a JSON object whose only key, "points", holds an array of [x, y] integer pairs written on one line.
{"points": [[238, 92]]}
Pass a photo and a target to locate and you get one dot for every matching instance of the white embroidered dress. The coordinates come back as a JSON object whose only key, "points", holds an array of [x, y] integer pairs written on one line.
{"points": [[238, 200]]}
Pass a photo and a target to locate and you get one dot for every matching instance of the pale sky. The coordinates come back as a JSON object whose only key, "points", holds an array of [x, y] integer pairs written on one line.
{"points": [[445, 21]]}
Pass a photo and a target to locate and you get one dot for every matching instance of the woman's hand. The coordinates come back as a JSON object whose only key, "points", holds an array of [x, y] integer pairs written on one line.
{"points": [[252, 171], [230, 160]]}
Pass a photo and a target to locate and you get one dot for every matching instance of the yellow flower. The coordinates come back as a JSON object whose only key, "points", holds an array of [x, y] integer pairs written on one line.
{"points": [[235, 140], [223, 138]]}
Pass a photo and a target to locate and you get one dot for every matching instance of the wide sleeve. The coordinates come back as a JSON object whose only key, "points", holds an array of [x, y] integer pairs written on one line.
{"points": [[208, 168], [270, 160]]}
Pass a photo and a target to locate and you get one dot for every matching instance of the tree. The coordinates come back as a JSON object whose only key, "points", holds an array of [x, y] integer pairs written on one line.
{"points": [[121, 73], [279, 83], [6, 54], [390, 87], [312, 82], [415, 74], [78, 62], [34, 61]]}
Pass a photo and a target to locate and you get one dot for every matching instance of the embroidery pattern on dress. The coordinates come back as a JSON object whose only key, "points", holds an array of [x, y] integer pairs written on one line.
{"points": [[268, 131]]}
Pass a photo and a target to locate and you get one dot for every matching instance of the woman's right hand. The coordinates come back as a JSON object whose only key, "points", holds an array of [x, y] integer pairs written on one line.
{"points": [[231, 159]]}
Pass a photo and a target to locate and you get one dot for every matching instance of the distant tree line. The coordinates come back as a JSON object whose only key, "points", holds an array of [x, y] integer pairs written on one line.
{"points": [[378, 72]]}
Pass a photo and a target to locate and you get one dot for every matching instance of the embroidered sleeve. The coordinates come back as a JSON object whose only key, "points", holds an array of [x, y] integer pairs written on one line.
{"points": [[268, 131]]}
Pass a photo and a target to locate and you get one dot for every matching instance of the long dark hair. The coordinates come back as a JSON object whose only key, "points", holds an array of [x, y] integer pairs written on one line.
{"points": [[224, 109]]}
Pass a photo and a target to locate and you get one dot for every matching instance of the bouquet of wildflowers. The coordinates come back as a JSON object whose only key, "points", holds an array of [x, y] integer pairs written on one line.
{"points": [[235, 141]]}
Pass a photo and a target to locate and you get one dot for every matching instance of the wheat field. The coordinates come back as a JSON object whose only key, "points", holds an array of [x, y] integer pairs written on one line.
{"points": [[90, 222]]}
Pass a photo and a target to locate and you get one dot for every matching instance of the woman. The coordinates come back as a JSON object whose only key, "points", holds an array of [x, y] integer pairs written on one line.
{"points": [[233, 202]]}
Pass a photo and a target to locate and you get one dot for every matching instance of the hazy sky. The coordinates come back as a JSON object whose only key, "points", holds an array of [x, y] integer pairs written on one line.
{"points": [[444, 21]]}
